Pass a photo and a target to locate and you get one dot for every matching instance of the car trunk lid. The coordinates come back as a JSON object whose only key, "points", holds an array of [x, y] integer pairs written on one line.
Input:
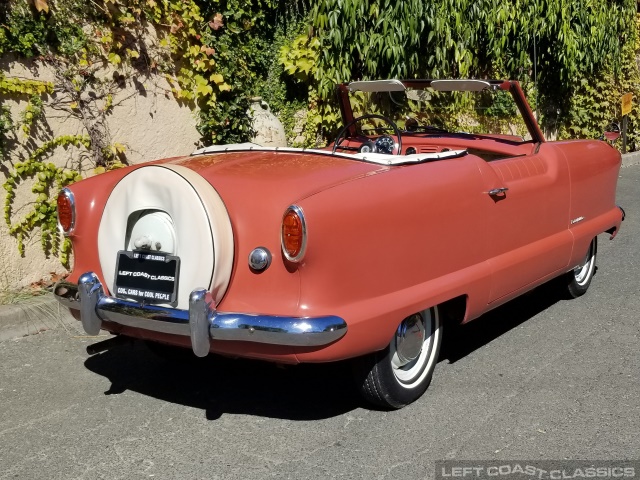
{"points": [[281, 177]]}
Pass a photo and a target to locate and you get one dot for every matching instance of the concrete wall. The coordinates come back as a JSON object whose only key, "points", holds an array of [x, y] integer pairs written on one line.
{"points": [[145, 118]]}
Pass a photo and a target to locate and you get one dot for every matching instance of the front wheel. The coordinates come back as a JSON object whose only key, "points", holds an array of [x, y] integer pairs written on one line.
{"points": [[579, 279], [400, 374]]}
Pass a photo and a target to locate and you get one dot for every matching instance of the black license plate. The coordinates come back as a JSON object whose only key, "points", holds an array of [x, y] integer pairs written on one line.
{"points": [[147, 277]]}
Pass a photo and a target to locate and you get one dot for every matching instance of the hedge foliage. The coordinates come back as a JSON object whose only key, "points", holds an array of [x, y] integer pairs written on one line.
{"points": [[574, 57], [580, 53], [220, 52]]}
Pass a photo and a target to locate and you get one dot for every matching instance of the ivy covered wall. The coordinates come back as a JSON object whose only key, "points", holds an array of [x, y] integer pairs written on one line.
{"points": [[580, 53], [575, 58]]}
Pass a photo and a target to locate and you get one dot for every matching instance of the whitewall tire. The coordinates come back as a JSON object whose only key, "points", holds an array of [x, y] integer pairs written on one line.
{"points": [[579, 279], [400, 374]]}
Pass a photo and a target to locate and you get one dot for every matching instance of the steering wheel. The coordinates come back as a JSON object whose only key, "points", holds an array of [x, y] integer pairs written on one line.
{"points": [[382, 143]]}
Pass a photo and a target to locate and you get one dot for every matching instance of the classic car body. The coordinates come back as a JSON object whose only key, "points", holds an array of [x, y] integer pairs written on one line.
{"points": [[355, 251]]}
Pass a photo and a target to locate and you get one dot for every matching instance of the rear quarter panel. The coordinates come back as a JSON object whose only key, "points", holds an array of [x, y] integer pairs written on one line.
{"points": [[383, 247], [594, 167]]}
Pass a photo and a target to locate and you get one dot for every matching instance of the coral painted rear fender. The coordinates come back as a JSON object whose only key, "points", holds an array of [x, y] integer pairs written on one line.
{"points": [[389, 245], [594, 167]]}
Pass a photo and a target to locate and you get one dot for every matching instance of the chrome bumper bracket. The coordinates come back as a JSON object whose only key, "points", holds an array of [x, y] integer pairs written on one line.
{"points": [[202, 322], [90, 290], [199, 321]]}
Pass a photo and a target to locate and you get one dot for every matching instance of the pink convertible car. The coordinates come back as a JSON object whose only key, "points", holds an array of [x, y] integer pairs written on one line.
{"points": [[437, 199]]}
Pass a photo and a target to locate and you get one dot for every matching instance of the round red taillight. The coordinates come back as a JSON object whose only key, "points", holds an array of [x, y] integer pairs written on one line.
{"points": [[66, 211], [294, 234]]}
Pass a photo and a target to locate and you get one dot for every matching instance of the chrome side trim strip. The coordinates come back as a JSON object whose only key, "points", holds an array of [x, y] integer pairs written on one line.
{"points": [[202, 322], [378, 158]]}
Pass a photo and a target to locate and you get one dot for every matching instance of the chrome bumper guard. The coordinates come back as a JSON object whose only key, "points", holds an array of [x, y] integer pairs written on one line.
{"points": [[201, 322]]}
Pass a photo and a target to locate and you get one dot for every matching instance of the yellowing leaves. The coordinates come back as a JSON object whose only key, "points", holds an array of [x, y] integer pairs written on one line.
{"points": [[127, 19], [41, 5], [220, 83], [305, 65], [114, 58], [202, 86], [116, 165], [207, 50], [27, 87], [299, 59], [216, 78], [108, 103], [204, 90], [117, 148], [217, 22]]}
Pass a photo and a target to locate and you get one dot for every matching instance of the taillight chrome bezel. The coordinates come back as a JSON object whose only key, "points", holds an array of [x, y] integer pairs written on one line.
{"points": [[68, 194], [303, 247]]}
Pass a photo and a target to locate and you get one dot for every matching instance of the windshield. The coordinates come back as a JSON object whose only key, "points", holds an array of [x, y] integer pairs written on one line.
{"points": [[488, 112]]}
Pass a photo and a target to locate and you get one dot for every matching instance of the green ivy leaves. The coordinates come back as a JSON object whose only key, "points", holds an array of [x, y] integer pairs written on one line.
{"points": [[48, 180], [363, 39], [300, 58], [9, 85], [573, 39]]}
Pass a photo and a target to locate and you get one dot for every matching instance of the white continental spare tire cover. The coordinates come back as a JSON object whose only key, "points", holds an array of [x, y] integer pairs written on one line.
{"points": [[188, 213]]}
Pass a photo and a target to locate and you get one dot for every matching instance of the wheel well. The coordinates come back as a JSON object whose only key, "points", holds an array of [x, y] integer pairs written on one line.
{"points": [[454, 311], [612, 231]]}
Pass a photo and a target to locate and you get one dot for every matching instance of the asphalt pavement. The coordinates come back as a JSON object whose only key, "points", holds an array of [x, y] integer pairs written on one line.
{"points": [[539, 378]]}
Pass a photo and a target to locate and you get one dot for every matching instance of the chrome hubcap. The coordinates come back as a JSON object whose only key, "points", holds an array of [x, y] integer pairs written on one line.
{"points": [[412, 350], [409, 339]]}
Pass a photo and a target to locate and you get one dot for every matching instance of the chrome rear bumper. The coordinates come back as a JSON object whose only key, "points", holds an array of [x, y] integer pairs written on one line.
{"points": [[201, 322]]}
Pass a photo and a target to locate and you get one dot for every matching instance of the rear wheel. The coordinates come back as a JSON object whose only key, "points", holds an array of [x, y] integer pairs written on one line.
{"points": [[400, 374], [579, 279]]}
